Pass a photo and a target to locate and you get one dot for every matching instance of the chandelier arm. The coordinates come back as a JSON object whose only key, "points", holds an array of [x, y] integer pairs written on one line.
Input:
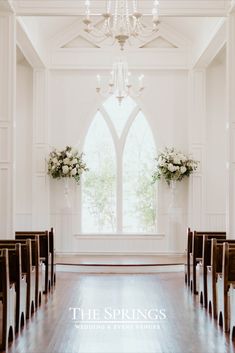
{"points": [[120, 83], [123, 23], [97, 35]]}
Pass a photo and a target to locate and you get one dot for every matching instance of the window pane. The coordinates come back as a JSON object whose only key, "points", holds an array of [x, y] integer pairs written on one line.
{"points": [[138, 191], [119, 113], [99, 185]]}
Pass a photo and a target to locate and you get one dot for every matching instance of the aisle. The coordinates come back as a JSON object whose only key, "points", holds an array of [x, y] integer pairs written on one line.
{"points": [[122, 314]]}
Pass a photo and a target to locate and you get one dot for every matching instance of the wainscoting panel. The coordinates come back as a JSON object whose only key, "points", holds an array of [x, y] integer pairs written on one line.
{"points": [[215, 221], [5, 201], [70, 240], [23, 221]]}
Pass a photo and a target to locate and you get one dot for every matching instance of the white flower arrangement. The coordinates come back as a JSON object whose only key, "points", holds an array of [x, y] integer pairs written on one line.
{"points": [[173, 165], [67, 163]]}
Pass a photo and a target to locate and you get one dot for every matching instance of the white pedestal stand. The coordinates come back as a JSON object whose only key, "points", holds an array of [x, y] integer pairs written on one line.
{"points": [[175, 218], [66, 214]]}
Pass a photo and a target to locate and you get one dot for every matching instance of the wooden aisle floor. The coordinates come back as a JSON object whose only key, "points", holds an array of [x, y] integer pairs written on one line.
{"points": [[185, 327]]}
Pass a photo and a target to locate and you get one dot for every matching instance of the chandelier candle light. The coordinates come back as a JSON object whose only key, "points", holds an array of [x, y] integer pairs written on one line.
{"points": [[120, 83], [122, 20]]}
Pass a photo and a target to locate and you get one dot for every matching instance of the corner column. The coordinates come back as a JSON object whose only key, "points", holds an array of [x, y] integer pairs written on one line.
{"points": [[230, 126], [7, 122], [40, 192], [196, 128]]}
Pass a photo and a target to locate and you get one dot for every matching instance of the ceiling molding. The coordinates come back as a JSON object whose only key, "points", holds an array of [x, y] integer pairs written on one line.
{"points": [[76, 29], [203, 8], [6, 6], [213, 47], [79, 42], [144, 59], [173, 36], [66, 34], [64, 55], [26, 46], [159, 42]]}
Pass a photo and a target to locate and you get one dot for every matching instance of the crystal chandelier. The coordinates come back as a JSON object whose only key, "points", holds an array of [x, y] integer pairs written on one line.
{"points": [[121, 21], [120, 83]]}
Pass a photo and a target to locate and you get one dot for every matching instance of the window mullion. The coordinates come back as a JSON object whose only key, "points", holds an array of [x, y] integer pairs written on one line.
{"points": [[119, 189]]}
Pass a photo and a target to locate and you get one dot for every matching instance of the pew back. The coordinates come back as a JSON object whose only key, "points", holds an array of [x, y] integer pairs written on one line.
{"points": [[217, 253], [8, 299], [45, 255]]}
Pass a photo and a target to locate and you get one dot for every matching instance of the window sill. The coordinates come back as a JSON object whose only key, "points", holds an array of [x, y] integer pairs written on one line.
{"points": [[120, 235]]}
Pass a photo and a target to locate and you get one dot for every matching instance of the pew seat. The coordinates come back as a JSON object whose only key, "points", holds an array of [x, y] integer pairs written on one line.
{"points": [[213, 273], [224, 281], [188, 252], [31, 268], [202, 266], [46, 256], [8, 302], [18, 277], [232, 311], [195, 257]]}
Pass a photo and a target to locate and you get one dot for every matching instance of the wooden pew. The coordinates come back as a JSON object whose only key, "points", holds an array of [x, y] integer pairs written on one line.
{"points": [[52, 251], [8, 302], [30, 267], [224, 280], [213, 271], [188, 252], [201, 274], [52, 267], [232, 311], [196, 255], [45, 255], [19, 278]]}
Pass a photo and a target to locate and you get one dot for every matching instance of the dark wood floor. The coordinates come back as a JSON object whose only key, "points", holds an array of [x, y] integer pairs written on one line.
{"points": [[185, 329]]}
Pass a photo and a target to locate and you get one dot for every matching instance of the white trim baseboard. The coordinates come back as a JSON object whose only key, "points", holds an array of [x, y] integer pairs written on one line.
{"points": [[119, 269], [120, 253]]}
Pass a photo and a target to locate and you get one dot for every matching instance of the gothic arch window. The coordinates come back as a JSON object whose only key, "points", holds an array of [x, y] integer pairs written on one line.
{"points": [[118, 196]]}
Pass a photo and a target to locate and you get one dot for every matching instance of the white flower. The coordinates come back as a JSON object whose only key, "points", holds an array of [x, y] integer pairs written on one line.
{"points": [[183, 158], [65, 169], [74, 171], [171, 168], [161, 162], [183, 170], [74, 161], [66, 161], [55, 160], [74, 152], [177, 160]]}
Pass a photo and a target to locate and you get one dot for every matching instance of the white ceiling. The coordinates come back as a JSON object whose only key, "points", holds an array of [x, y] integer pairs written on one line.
{"points": [[192, 28], [50, 32]]}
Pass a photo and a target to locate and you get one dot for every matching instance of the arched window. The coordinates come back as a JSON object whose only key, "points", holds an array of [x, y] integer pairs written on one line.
{"points": [[139, 208], [99, 188], [118, 195]]}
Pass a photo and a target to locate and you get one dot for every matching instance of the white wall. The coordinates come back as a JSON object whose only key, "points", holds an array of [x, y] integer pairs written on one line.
{"points": [[73, 103], [23, 146], [215, 178]]}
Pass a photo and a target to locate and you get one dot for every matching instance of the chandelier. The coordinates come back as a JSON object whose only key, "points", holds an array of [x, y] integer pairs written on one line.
{"points": [[121, 21], [120, 83]]}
